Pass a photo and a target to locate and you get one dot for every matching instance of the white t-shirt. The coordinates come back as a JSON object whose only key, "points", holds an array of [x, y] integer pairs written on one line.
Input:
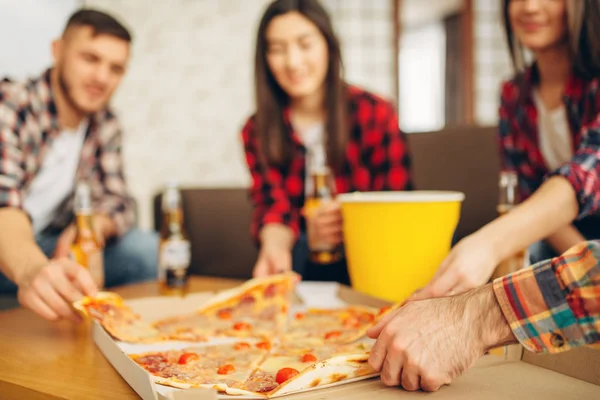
{"points": [[55, 180], [554, 134]]}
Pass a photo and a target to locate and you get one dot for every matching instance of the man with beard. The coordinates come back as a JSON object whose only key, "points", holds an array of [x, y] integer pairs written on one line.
{"points": [[57, 130]]}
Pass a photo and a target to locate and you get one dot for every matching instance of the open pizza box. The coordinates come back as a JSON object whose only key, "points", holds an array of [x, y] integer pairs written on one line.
{"points": [[514, 375]]}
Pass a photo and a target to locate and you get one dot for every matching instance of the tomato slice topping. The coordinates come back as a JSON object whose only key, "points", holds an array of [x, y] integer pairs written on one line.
{"points": [[187, 357], [285, 374]]}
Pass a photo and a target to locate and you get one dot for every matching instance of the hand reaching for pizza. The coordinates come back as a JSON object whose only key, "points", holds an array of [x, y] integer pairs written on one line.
{"points": [[427, 344], [275, 255], [272, 260], [50, 291]]}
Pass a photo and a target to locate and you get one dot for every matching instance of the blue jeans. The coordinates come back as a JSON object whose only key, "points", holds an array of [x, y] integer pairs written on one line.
{"points": [[589, 228], [129, 259], [337, 272]]}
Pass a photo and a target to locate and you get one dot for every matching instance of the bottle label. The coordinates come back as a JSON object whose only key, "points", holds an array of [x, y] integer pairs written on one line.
{"points": [[175, 254]]}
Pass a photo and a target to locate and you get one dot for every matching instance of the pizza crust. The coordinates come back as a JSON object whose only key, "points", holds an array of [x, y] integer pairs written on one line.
{"points": [[336, 369], [228, 295]]}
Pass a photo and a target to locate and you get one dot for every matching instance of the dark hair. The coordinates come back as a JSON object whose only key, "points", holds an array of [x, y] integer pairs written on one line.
{"points": [[101, 23], [583, 19], [274, 145]]}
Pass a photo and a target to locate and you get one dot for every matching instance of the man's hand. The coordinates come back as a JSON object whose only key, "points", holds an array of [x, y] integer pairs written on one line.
{"points": [[427, 344], [103, 230], [49, 291], [324, 225], [470, 264]]}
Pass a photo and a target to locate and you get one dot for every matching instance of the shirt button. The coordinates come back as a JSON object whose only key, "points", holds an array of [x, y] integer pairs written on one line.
{"points": [[557, 340]]}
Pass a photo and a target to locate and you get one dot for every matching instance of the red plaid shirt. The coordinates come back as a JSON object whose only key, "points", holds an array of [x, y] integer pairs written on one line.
{"points": [[519, 142], [377, 159], [29, 124]]}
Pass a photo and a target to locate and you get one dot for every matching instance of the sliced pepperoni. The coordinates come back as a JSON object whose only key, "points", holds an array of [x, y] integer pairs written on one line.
{"points": [[308, 358], [225, 313], [270, 291], [247, 300], [261, 382]]}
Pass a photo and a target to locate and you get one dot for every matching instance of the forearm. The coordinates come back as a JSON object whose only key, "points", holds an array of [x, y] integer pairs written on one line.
{"points": [[550, 208], [565, 238], [492, 328], [277, 235], [19, 253]]}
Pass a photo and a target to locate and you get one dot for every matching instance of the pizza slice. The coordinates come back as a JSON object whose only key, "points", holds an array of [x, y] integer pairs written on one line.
{"points": [[118, 319], [222, 367], [258, 308], [342, 325], [296, 368]]}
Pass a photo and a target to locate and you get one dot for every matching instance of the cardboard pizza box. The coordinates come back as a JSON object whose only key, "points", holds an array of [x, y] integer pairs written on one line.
{"points": [[571, 375]]}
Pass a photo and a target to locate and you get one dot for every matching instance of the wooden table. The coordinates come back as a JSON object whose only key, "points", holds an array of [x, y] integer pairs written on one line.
{"points": [[49, 360]]}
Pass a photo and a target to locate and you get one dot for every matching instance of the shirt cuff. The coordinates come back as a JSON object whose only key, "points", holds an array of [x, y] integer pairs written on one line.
{"points": [[575, 174], [524, 298]]}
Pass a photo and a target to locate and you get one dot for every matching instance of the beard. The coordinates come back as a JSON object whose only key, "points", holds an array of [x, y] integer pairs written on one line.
{"points": [[67, 92]]}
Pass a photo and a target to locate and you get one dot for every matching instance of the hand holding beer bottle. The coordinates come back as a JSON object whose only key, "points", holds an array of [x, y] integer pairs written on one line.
{"points": [[323, 214], [86, 249]]}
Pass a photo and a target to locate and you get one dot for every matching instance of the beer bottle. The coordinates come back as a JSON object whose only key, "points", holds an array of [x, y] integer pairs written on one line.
{"points": [[85, 249], [507, 200], [174, 249], [320, 189]]}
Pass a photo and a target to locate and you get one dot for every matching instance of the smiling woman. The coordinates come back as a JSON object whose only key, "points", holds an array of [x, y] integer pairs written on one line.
{"points": [[303, 103]]}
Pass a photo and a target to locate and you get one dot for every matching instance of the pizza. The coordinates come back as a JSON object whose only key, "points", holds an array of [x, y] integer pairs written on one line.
{"points": [[118, 319], [257, 308], [221, 367], [268, 350], [246, 368]]}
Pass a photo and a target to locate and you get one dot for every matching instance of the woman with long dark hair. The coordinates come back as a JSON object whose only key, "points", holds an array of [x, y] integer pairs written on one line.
{"points": [[303, 103]]}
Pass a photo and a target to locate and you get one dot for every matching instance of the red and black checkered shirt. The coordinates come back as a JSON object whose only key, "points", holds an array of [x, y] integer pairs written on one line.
{"points": [[377, 159], [519, 142]]}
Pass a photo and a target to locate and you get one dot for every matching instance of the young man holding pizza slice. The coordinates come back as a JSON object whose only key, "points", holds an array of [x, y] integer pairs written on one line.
{"points": [[56, 130]]}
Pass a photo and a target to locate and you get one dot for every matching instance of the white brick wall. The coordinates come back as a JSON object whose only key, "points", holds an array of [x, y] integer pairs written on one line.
{"points": [[189, 87], [492, 61]]}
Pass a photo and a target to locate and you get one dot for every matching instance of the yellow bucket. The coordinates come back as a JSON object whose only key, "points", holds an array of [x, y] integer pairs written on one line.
{"points": [[395, 241]]}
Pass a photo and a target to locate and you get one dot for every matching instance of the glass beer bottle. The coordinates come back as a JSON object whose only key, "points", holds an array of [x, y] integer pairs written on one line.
{"points": [[85, 249], [174, 249], [320, 189], [507, 200]]}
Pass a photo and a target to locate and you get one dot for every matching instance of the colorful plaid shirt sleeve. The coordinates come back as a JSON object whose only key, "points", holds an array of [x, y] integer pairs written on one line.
{"points": [[11, 171], [268, 194], [583, 169], [114, 200], [554, 305]]}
